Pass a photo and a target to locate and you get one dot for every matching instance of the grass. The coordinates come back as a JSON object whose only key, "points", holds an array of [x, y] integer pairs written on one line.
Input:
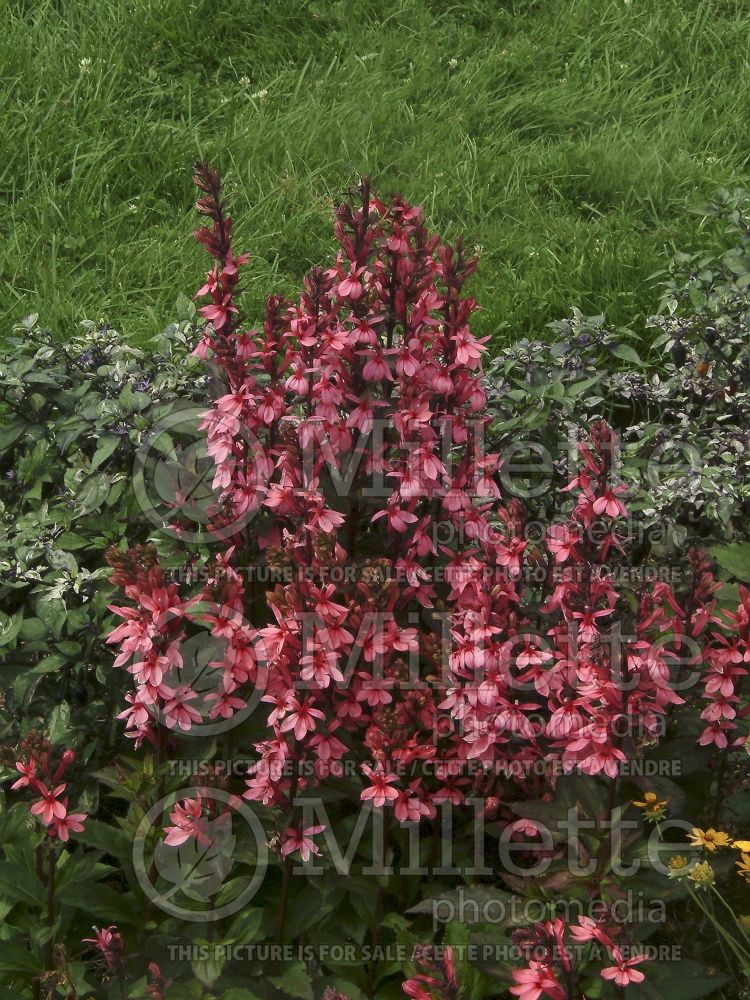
{"points": [[564, 139]]}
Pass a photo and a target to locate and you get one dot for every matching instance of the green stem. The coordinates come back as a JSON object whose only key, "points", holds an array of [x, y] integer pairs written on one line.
{"points": [[288, 865], [726, 905], [743, 956], [48, 945]]}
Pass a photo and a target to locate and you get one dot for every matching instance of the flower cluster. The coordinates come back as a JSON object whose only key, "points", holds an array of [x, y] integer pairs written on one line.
{"points": [[111, 947], [559, 954], [151, 637], [33, 760], [709, 841], [728, 662], [436, 978], [412, 617]]}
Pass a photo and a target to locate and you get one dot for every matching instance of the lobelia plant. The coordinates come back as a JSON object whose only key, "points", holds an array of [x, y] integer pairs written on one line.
{"points": [[410, 616]]}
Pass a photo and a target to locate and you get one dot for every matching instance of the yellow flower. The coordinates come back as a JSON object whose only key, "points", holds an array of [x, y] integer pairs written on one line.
{"points": [[743, 866], [710, 839], [678, 866], [703, 874], [651, 803], [742, 845]]}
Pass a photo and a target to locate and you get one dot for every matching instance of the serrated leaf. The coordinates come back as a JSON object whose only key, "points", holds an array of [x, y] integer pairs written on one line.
{"points": [[295, 982]]}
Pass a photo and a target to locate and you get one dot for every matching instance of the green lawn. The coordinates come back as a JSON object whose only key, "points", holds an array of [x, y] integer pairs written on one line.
{"points": [[563, 137]]}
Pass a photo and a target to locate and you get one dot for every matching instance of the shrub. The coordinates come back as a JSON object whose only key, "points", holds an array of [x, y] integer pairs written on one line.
{"points": [[74, 415], [681, 414]]}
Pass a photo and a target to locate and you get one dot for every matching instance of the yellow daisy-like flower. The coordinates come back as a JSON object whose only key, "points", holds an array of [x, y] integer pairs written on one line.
{"points": [[709, 839], [743, 866], [652, 805], [678, 866], [742, 845], [702, 875]]}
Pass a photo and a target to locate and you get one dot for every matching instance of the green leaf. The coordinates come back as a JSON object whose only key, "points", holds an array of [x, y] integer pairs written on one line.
{"points": [[16, 959], [686, 979], [626, 353], [53, 612], [20, 885], [580, 387], [60, 559], [208, 970], [182, 991], [70, 541], [10, 627], [59, 724], [185, 307], [11, 432], [48, 665], [295, 982], [107, 445], [92, 495], [735, 559], [34, 629], [106, 838], [245, 927], [101, 902], [238, 993], [474, 903]]}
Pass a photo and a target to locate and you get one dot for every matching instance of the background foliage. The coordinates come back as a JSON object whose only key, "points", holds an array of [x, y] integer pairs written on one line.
{"points": [[563, 139]]}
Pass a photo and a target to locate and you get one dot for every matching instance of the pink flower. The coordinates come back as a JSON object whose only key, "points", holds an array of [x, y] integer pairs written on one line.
{"points": [[588, 930], [188, 823], [561, 541], [510, 555], [48, 808], [608, 503], [350, 287], [218, 314], [27, 771], [177, 712], [536, 980], [380, 791], [623, 972], [398, 519], [301, 718], [110, 945], [301, 840], [63, 827]]}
